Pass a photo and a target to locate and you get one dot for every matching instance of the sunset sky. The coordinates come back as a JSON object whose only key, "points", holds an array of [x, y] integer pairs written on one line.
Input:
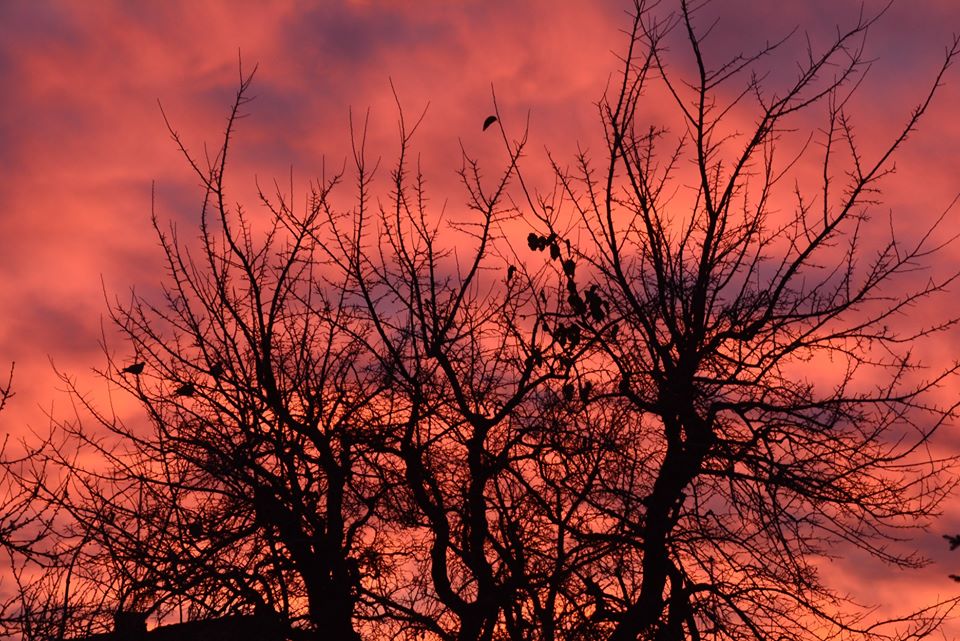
{"points": [[82, 139]]}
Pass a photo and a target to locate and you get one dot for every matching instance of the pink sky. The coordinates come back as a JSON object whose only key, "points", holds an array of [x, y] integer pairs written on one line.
{"points": [[82, 138]]}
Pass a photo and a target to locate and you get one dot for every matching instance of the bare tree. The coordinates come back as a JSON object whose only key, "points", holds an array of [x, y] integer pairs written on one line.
{"points": [[710, 315], [33, 604], [462, 337], [259, 482], [616, 427]]}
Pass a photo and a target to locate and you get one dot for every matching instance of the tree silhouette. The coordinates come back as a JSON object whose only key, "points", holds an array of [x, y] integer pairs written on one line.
{"points": [[717, 308], [32, 605], [642, 405], [261, 484]]}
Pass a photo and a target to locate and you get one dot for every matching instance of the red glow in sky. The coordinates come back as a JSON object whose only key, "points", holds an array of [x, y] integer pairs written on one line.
{"points": [[82, 139]]}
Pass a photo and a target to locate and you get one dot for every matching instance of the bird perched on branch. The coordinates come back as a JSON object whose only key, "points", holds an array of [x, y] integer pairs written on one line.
{"points": [[134, 369]]}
